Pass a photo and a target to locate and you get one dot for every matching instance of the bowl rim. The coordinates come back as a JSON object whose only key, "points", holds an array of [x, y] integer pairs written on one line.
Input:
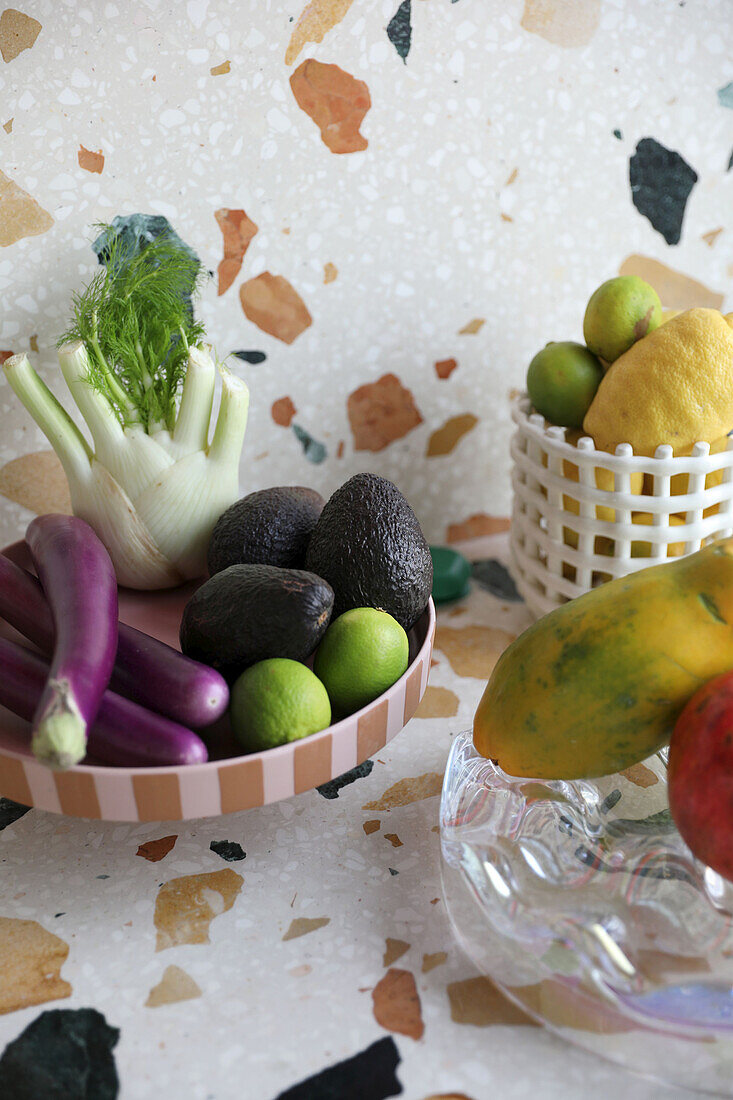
{"points": [[203, 768]]}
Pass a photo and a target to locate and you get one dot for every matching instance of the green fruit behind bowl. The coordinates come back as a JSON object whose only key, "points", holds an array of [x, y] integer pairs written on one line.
{"points": [[619, 313], [451, 574], [275, 702], [363, 653], [562, 380]]}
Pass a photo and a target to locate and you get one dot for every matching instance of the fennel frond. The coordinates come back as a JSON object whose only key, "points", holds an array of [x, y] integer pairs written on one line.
{"points": [[136, 322]]}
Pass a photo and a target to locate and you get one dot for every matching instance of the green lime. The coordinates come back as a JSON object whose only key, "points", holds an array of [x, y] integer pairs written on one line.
{"points": [[562, 380], [363, 653], [277, 701], [618, 314]]}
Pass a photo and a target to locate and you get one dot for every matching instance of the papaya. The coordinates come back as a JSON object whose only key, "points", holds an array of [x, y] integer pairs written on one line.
{"points": [[597, 684]]}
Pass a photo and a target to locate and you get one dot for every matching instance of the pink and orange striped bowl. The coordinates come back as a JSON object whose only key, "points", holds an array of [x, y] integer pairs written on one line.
{"points": [[226, 783]]}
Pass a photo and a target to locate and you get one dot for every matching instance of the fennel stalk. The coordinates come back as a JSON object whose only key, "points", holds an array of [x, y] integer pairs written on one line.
{"points": [[153, 485]]}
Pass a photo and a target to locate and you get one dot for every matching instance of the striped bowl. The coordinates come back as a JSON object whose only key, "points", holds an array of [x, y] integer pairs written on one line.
{"points": [[224, 784]]}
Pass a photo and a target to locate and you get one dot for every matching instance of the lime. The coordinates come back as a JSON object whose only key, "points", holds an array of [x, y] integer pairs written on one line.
{"points": [[363, 652], [277, 701], [618, 314], [562, 380]]}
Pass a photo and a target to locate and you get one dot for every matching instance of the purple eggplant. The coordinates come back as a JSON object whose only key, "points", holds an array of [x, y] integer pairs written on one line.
{"points": [[79, 581], [123, 733], [160, 678], [146, 669]]}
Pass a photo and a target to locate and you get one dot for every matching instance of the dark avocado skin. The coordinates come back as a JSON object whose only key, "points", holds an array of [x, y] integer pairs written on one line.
{"points": [[247, 613], [370, 548], [269, 527]]}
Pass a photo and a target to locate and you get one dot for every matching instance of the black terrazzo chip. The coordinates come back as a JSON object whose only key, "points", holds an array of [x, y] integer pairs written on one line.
{"points": [[64, 1054], [10, 812], [229, 850], [496, 579], [369, 1075], [332, 788], [313, 450], [250, 356], [661, 182], [399, 29], [610, 801]]}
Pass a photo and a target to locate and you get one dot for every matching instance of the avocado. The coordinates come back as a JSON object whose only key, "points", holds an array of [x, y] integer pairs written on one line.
{"points": [[247, 613], [269, 527], [369, 546]]}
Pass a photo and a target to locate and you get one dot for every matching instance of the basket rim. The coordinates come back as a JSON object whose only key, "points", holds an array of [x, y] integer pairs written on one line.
{"points": [[618, 499], [663, 463]]}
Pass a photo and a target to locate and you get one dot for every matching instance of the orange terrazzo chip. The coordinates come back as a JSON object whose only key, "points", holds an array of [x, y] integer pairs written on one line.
{"points": [[381, 412], [18, 32], [90, 160], [314, 23], [271, 303], [186, 906], [283, 410], [446, 438], [477, 526], [237, 229], [30, 965], [396, 1004], [335, 100]]}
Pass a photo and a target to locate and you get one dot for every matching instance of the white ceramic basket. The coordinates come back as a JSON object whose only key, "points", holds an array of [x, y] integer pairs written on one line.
{"points": [[558, 553]]}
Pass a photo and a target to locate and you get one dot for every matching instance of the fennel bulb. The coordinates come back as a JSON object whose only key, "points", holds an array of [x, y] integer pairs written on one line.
{"points": [[153, 485]]}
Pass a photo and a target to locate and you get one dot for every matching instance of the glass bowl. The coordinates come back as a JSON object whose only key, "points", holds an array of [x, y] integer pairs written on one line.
{"points": [[583, 903]]}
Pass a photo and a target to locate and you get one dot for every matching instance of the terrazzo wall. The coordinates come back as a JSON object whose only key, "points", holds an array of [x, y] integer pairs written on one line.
{"points": [[399, 204]]}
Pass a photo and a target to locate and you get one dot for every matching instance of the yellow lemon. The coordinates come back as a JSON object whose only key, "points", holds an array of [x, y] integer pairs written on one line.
{"points": [[674, 386]]}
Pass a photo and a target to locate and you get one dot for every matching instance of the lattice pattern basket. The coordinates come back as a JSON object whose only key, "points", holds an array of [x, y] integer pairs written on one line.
{"points": [[582, 516]]}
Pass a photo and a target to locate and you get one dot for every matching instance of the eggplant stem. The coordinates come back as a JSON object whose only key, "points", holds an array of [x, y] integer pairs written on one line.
{"points": [[60, 738]]}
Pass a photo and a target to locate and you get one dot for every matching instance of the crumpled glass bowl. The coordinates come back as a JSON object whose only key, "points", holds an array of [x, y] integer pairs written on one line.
{"points": [[583, 903]]}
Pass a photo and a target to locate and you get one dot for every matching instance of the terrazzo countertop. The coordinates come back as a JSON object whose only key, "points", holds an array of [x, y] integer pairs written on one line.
{"points": [[399, 202], [299, 951]]}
